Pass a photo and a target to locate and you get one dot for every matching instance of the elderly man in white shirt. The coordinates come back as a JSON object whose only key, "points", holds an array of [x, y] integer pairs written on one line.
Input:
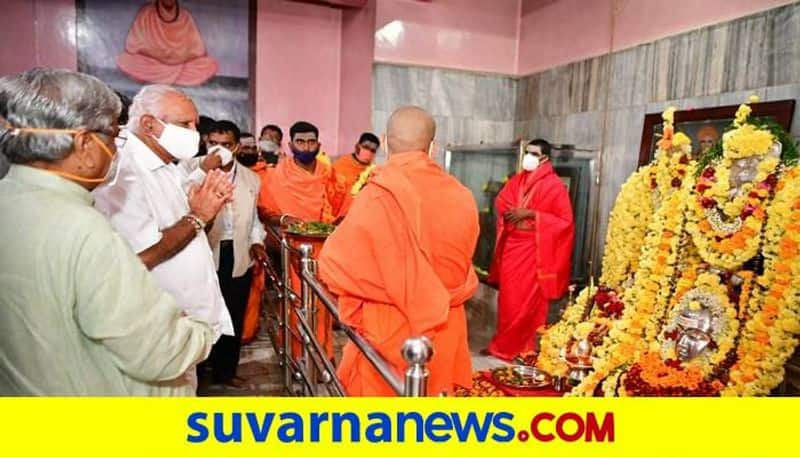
{"points": [[148, 206]]}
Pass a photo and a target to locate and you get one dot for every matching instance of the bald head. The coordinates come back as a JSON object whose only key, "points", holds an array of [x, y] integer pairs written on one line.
{"points": [[410, 128]]}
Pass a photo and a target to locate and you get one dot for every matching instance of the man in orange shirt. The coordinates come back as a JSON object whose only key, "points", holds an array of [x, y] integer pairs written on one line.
{"points": [[301, 188], [401, 262], [352, 165]]}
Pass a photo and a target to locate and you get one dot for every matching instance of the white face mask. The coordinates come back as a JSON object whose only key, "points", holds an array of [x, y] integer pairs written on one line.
{"points": [[113, 169], [530, 162], [268, 146], [180, 142], [224, 154]]}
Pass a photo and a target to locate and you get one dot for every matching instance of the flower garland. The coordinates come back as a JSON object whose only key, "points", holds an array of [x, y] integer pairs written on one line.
{"points": [[631, 215], [627, 226], [638, 356], [362, 180], [557, 336], [726, 223], [651, 376], [646, 301], [770, 335]]}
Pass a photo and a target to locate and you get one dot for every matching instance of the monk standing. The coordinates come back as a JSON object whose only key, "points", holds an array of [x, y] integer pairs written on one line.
{"points": [[401, 262], [303, 188], [532, 256], [352, 165]]}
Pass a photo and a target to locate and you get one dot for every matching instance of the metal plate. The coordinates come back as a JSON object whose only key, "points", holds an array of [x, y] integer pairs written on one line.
{"points": [[521, 377]]}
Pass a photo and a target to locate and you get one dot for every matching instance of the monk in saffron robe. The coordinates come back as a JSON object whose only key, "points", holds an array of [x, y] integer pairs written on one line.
{"points": [[401, 263], [250, 157], [303, 188], [351, 166], [532, 256], [164, 46]]}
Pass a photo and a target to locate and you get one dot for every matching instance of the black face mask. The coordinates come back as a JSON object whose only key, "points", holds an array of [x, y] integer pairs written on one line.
{"points": [[270, 157], [248, 160]]}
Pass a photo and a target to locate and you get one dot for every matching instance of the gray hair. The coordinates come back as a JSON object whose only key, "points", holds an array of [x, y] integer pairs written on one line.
{"points": [[52, 99], [148, 101]]}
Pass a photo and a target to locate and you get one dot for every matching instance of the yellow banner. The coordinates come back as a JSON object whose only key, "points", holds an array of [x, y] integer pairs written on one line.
{"points": [[352, 427]]}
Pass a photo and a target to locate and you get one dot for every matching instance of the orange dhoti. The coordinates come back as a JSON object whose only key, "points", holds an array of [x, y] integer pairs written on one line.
{"points": [[401, 266], [311, 196], [324, 320]]}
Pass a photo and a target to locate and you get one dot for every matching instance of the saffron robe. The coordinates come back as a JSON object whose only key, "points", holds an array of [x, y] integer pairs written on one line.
{"points": [[349, 169], [166, 52], [317, 196], [532, 259], [252, 313], [401, 266]]}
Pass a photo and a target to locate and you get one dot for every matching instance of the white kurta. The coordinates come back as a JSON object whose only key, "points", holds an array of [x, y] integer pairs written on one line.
{"points": [[148, 197], [79, 313]]}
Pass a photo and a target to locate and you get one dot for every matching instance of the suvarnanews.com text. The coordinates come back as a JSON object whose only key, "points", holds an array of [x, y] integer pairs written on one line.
{"points": [[401, 427]]}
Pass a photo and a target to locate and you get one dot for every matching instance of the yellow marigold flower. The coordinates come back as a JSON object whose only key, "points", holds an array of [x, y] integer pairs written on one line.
{"points": [[681, 139], [669, 114], [746, 141]]}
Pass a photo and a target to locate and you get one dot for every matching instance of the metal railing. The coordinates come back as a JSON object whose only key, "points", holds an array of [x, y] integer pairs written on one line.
{"points": [[312, 370]]}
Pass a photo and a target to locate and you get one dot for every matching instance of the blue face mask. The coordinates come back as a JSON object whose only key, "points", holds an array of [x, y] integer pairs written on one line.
{"points": [[304, 157]]}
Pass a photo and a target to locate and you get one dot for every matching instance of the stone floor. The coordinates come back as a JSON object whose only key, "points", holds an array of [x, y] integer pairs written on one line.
{"points": [[259, 363]]}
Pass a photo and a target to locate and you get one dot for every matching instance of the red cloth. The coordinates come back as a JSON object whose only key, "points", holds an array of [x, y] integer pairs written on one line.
{"points": [[532, 258]]}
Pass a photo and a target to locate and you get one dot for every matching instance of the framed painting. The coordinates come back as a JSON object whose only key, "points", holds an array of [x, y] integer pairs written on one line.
{"points": [[200, 46], [705, 126]]}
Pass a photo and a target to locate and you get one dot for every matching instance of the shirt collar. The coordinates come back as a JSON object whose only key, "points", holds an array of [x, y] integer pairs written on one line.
{"points": [[142, 153], [51, 181]]}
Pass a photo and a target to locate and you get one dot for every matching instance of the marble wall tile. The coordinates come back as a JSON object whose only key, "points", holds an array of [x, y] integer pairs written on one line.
{"points": [[788, 91], [520, 128], [452, 94], [631, 77], [379, 119], [584, 130], [735, 98], [495, 98], [527, 97], [392, 86], [707, 101], [715, 64], [785, 54], [748, 53]]}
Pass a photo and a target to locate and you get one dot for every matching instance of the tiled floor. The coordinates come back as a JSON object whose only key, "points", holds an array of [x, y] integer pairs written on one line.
{"points": [[259, 363]]}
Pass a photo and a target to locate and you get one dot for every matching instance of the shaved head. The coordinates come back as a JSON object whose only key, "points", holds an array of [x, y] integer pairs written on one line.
{"points": [[410, 128]]}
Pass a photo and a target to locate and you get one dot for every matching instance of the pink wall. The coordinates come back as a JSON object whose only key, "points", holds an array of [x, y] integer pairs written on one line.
{"points": [[297, 67], [37, 33], [477, 35], [558, 32], [355, 104]]}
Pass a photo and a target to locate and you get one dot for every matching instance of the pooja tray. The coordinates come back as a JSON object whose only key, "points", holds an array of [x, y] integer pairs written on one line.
{"points": [[521, 377], [312, 230]]}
